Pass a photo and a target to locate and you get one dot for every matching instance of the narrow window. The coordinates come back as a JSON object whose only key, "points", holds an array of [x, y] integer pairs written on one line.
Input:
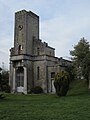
{"points": [[52, 75], [38, 51], [38, 71], [19, 49]]}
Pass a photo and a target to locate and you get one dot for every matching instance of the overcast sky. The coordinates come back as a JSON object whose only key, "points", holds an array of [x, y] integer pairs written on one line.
{"points": [[62, 23]]}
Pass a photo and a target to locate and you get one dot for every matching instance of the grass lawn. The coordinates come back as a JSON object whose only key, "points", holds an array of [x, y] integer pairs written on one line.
{"points": [[46, 106]]}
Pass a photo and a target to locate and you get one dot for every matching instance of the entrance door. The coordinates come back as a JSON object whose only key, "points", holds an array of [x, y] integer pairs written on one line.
{"points": [[20, 79], [52, 82], [53, 88]]}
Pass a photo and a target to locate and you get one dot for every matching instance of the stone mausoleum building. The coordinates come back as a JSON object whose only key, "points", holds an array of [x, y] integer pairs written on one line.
{"points": [[32, 62]]}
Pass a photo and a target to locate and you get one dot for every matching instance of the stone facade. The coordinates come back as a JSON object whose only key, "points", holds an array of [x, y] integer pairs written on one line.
{"points": [[32, 62]]}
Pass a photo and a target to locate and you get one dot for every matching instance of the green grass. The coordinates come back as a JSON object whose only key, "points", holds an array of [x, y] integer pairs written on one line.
{"points": [[75, 106]]}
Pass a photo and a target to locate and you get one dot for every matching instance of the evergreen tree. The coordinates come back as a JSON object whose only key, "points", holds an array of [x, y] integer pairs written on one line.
{"points": [[81, 58]]}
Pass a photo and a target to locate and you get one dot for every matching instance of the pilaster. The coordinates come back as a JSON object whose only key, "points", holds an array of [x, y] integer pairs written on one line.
{"points": [[25, 80], [14, 76]]}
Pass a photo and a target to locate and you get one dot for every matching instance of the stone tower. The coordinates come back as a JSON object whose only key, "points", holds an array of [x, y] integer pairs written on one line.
{"points": [[32, 62], [26, 29]]}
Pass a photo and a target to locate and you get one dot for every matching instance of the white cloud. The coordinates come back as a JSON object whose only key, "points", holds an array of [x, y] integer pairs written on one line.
{"points": [[62, 33]]}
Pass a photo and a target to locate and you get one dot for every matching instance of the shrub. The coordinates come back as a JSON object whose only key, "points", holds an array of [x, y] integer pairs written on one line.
{"points": [[36, 90], [4, 82], [61, 83], [2, 96], [5, 88]]}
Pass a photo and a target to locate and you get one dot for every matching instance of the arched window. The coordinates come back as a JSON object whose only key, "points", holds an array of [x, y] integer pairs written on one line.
{"points": [[19, 49], [20, 77]]}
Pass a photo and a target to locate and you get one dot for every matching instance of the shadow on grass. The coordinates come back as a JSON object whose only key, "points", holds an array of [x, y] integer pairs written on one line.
{"points": [[80, 93]]}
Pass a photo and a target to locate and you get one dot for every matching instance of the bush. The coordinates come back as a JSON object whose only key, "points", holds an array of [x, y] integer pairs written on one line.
{"points": [[2, 96], [5, 88], [61, 83], [36, 90], [4, 82]]}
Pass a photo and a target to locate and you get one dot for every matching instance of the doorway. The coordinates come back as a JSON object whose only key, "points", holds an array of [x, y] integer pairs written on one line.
{"points": [[52, 82], [20, 79]]}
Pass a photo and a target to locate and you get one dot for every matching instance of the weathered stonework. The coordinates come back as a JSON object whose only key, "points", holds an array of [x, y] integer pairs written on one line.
{"points": [[32, 62]]}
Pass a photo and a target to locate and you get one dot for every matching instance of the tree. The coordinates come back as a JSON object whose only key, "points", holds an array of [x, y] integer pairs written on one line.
{"points": [[4, 81], [61, 83], [81, 58], [71, 71]]}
